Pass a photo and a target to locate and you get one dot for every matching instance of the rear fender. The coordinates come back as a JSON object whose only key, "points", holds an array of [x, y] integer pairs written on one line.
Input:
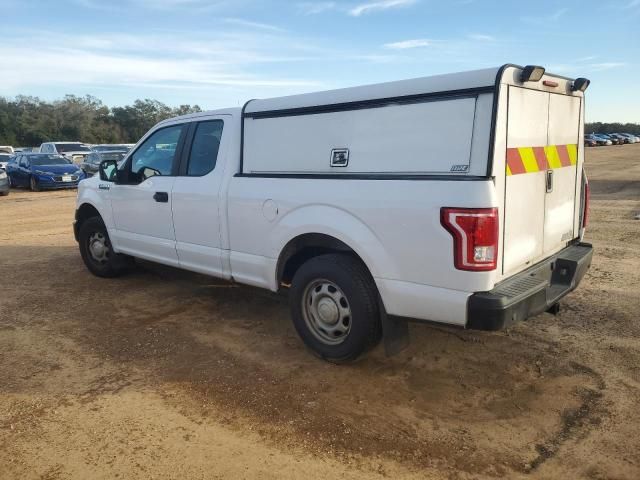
{"points": [[339, 224]]}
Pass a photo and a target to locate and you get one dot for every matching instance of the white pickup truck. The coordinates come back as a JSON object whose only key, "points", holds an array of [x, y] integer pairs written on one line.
{"points": [[458, 199]]}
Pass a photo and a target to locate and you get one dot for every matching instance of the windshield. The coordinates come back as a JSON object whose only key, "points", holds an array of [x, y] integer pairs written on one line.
{"points": [[48, 160], [4, 157], [110, 148], [71, 147]]}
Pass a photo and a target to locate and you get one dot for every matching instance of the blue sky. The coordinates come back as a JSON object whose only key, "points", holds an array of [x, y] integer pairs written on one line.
{"points": [[219, 53]]}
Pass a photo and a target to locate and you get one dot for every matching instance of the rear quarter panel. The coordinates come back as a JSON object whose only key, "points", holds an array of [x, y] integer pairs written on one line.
{"points": [[393, 225]]}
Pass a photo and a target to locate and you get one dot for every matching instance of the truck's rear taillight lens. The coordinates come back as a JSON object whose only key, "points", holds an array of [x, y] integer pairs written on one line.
{"points": [[475, 236], [585, 212]]}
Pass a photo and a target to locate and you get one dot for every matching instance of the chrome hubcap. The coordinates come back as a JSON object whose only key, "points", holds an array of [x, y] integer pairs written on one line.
{"points": [[98, 248], [326, 312]]}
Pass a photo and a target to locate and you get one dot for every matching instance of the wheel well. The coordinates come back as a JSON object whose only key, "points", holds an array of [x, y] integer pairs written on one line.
{"points": [[85, 212], [305, 247]]}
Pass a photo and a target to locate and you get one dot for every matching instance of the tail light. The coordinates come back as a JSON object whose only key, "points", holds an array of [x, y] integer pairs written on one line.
{"points": [[585, 211], [475, 237]]}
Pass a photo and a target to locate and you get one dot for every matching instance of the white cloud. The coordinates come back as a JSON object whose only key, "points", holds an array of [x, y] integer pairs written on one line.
{"points": [[558, 14], [406, 44], [597, 67], [125, 5], [481, 37], [249, 24], [52, 59], [542, 20], [314, 8], [363, 8]]}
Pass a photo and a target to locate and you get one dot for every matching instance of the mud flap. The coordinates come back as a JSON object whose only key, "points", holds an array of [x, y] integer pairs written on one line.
{"points": [[395, 332]]}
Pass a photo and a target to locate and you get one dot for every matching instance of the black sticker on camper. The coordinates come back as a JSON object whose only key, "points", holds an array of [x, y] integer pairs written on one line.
{"points": [[339, 157], [460, 168]]}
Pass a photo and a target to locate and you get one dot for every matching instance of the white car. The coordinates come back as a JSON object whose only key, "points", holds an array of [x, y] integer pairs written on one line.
{"points": [[459, 199], [75, 152], [6, 149], [632, 138], [4, 159]]}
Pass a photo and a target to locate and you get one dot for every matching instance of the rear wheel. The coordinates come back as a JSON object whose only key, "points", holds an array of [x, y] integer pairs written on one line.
{"points": [[33, 184], [96, 250], [334, 307]]}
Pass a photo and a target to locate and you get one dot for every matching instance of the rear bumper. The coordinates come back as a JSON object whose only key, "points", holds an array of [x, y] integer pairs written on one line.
{"points": [[531, 292]]}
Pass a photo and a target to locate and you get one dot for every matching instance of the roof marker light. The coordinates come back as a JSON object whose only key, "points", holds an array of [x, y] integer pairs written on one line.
{"points": [[580, 84], [531, 73], [550, 83]]}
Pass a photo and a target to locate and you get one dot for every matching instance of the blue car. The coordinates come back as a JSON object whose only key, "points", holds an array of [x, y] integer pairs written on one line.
{"points": [[39, 171]]}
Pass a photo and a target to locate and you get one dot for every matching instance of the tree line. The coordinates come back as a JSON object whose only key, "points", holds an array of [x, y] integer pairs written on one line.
{"points": [[599, 127], [29, 121]]}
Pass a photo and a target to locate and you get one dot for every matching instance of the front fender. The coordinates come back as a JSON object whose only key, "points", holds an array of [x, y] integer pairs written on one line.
{"points": [[89, 193]]}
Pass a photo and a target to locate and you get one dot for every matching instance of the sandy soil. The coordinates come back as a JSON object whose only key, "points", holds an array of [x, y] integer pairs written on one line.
{"points": [[166, 374]]}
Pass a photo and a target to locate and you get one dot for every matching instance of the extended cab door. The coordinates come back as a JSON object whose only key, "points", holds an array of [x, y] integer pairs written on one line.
{"points": [[142, 202], [198, 207]]}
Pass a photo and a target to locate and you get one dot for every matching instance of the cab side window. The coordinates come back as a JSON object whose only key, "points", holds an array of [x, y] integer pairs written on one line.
{"points": [[203, 154], [156, 156]]}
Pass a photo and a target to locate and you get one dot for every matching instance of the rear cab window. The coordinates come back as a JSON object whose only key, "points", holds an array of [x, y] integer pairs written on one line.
{"points": [[203, 152]]}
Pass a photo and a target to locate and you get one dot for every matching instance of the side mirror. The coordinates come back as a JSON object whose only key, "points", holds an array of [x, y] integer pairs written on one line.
{"points": [[148, 172], [108, 170]]}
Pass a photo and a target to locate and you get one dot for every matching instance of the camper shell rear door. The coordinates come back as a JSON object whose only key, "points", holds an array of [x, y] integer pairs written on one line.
{"points": [[541, 154]]}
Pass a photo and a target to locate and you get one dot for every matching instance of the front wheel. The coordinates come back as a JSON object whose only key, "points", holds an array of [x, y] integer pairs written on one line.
{"points": [[33, 184], [334, 305], [96, 250]]}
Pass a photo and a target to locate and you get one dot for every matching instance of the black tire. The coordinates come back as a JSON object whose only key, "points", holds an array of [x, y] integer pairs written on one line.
{"points": [[356, 284], [33, 184], [114, 264]]}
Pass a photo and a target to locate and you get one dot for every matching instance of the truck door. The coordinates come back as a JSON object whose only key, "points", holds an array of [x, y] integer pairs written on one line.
{"points": [[541, 175], [142, 207], [198, 205]]}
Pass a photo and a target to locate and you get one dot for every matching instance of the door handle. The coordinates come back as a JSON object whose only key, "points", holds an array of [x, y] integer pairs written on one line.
{"points": [[162, 197], [549, 181]]}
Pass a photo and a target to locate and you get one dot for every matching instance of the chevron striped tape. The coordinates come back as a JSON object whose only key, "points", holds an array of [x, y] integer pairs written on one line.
{"points": [[539, 159]]}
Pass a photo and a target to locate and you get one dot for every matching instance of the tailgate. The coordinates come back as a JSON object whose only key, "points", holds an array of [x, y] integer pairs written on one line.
{"points": [[543, 131]]}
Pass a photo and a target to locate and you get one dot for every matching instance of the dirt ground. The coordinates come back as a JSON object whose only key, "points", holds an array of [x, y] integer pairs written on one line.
{"points": [[167, 374]]}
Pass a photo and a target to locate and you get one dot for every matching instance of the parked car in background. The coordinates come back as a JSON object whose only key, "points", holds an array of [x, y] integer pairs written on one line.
{"points": [[38, 171], [630, 138], [4, 183], [603, 140], [6, 149], [620, 138], [613, 140], [100, 153], [599, 141], [4, 159], [76, 152], [590, 141]]}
